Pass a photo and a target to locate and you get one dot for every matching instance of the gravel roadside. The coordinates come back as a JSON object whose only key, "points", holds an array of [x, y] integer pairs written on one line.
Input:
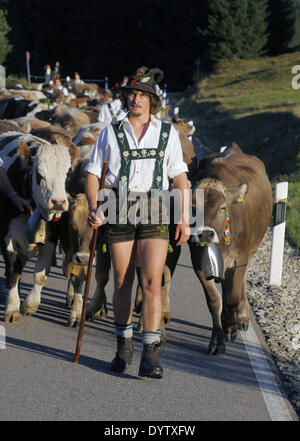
{"points": [[277, 311]]}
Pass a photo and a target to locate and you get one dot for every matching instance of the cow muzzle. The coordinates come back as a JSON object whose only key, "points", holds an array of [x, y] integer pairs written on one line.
{"points": [[204, 236], [81, 258], [58, 204]]}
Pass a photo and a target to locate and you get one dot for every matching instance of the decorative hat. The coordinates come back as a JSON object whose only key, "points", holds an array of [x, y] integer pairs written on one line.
{"points": [[145, 79]]}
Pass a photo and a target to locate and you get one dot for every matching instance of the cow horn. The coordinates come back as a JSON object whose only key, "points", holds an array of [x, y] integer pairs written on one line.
{"points": [[156, 71]]}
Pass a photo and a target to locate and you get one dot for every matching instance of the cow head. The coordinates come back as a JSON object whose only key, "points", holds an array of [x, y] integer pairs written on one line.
{"points": [[50, 166], [79, 231], [218, 201]]}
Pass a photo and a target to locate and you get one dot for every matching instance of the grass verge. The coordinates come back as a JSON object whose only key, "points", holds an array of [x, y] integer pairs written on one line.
{"points": [[253, 103]]}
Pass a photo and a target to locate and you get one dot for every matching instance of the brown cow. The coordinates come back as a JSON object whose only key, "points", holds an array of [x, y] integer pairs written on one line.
{"points": [[76, 245], [237, 212], [185, 130], [70, 118]]}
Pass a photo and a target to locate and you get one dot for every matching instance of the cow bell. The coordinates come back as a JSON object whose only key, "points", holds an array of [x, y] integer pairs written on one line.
{"points": [[212, 263], [36, 228]]}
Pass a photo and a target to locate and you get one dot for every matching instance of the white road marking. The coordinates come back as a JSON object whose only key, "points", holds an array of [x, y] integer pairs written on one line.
{"points": [[266, 380]]}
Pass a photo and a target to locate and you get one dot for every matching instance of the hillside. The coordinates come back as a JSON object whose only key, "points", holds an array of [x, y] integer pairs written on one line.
{"points": [[253, 103]]}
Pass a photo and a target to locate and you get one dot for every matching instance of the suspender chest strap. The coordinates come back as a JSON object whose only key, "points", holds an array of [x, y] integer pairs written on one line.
{"points": [[127, 155], [114, 116]]}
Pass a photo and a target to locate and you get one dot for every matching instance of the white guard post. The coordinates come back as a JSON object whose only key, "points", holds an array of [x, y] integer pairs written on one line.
{"points": [[278, 233], [2, 77]]}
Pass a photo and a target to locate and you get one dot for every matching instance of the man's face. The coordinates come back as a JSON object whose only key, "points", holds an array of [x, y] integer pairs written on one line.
{"points": [[138, 103]]}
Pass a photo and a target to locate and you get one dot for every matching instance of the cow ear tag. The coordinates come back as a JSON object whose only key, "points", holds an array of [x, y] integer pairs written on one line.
{"points": [[227, 228]]}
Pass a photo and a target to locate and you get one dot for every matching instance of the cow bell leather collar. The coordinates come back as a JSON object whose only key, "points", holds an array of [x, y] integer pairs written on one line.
{"points": [[227, 228]]}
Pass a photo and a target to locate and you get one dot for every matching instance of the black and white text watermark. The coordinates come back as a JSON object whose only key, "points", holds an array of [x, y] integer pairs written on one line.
{"points": [[154, 207]]}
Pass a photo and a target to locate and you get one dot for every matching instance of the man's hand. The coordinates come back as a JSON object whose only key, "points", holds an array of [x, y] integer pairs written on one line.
{"points": [[20, 203], [95, 218], [183, 232]]}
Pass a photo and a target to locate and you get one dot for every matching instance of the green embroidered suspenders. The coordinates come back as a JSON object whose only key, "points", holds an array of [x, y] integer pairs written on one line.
{"points": [[114, 117], [127, 155]]}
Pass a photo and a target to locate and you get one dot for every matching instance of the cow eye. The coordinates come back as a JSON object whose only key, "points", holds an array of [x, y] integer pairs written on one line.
{"points": [[223, 207], [38, 178]]}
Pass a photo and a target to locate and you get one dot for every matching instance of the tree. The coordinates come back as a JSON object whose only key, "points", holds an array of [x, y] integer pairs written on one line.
{"points": [[281, 21], [5, 47], [237, 28]]}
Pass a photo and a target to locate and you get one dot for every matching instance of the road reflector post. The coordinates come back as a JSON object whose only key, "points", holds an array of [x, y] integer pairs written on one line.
{"points": [[278, 233]]}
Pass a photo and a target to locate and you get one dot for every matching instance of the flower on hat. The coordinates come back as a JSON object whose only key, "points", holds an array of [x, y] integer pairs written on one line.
{"points": [[139, 76]]}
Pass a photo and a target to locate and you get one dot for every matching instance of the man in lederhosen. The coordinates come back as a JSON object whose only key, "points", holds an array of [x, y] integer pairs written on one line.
{"points": [[143, 153]]}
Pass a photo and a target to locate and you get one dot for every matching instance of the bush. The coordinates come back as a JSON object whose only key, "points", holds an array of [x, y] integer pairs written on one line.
{"points": [[5, 47]]}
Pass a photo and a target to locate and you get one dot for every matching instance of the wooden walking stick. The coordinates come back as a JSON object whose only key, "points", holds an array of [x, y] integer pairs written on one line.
{"points": [[89, 273]]}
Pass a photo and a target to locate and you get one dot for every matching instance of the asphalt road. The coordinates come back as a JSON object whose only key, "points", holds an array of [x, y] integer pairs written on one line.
{"points": [[39, 380]]}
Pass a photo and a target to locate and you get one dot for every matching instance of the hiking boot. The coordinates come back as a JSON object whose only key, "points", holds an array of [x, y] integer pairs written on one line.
{"points": [[123, 356], [149, 366]]}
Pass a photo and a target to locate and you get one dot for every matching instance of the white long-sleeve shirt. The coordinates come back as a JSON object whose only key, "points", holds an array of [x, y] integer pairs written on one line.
{"points": [[141, 170], [104, 113]]}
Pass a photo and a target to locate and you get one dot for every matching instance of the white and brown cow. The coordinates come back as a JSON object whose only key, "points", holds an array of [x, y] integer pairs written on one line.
{"points": [[49, 166]]}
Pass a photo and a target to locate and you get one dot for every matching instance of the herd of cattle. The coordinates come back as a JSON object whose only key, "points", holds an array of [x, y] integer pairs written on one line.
{"points": [[46, 140]]}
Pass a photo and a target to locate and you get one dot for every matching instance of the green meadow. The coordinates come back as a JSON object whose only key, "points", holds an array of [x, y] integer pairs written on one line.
{"points": [[253, 103]]}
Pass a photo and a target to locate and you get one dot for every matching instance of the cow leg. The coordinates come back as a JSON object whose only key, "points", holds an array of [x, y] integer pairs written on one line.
{"points": [[214, 303], [77, 283], [235, 313], [41, 271], [70, 294], [97, 306], [15, 264]]}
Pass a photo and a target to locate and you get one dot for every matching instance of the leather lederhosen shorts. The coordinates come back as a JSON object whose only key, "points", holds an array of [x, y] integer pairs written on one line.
{"points": [[139, 217]]}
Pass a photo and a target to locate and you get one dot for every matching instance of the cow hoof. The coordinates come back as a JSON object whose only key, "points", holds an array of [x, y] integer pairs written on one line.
{"points": [[72, 323], [167, 317], [12, 317], [93, 315], [28, 310], [216, 349], [231, 335], [243, 327], [216, 345], [103, 311]]}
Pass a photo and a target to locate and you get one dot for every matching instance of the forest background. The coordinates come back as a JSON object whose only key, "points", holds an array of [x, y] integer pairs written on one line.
{"points": [[100, 38]]}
